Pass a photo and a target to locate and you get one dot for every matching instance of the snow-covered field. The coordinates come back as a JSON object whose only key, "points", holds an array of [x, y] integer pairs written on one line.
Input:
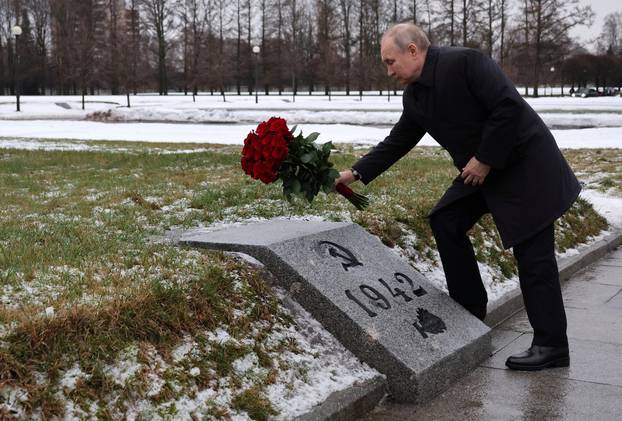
{"points": [[59, 120], [234, 134], [591, 122]]}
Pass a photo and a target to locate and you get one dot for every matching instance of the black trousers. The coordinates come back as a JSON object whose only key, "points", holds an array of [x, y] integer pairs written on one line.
{"points": [[537, 269]]}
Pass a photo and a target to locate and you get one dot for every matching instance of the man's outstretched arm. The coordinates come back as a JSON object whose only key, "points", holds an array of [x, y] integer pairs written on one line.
{"points": [[403, 137]]}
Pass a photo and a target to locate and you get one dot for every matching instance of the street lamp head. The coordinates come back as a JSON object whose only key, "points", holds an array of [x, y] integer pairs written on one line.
{"points": [[256, 49], [16, 30], [552, 69]]}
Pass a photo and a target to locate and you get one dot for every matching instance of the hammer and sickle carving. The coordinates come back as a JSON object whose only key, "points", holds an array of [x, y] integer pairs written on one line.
{"points": [[340, 252]]}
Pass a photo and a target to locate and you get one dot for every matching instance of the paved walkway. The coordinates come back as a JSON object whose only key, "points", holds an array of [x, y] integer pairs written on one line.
{"points": [[590, 389]]}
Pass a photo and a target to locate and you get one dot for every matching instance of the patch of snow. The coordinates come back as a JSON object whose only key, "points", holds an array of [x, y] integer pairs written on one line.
{"points": [[248, 362], [182, 350], [608, 206], [311, 377], [125, 367], [71, 376]]}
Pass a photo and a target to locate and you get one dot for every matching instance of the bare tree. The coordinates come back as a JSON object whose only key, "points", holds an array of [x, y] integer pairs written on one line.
{"points": [[85, 64], [610, 39], [414, 12], [550, 23], [503, 4], [64, 22], [133, 41], [346, 37], [222, 23], [8, 18], [326, 23], [280, 22], [159, 19], [195, 17], [238, 55], [265, 12], [448, 19], [466, 11], [40, 12], [493, 14], [249, 46], [295, 29]]}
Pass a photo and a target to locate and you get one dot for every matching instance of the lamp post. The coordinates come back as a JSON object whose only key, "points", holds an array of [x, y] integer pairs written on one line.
{"points": [[552, 69], [17, 31], [256, 51]]}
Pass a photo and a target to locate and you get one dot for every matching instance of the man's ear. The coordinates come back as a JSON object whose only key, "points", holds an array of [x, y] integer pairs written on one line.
{"points": [[412, 49]]}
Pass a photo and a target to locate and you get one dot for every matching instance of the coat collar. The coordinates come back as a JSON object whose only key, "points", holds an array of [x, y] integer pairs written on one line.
{"points": [[427, 74]]}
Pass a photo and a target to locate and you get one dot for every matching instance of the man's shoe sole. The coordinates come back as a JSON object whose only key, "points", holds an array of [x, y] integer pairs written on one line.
{"points": [[559, 362]]}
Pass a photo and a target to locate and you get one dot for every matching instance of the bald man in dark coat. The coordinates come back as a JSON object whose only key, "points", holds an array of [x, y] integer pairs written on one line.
{"points": [[508, 163]]}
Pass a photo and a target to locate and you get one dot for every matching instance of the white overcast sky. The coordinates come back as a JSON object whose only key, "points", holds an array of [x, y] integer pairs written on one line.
{"points": [[602, 8]]}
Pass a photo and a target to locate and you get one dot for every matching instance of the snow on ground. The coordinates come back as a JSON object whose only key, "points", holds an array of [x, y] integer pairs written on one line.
{"points": [[11, 130], [154, 118], [373, 109], [608, 206]]}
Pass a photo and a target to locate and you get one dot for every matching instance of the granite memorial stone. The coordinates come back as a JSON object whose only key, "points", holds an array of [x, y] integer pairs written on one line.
{"points": [[368, 297]]}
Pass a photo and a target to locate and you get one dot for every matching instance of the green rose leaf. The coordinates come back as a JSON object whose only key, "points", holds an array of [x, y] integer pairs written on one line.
{"points": [[295, 186], [306, 158], [312, 137]]}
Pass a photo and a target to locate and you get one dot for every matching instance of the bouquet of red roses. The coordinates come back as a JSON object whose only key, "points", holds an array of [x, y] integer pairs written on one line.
{"points": [[272, 151]]}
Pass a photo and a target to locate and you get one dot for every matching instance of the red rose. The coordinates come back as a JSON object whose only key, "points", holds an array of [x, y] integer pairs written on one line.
{"points": [[256, 153], [279, 152], [265, 148], [267, 152], [246, 150], [277, 124], [247, 166], [264, 172], [262, 128]]}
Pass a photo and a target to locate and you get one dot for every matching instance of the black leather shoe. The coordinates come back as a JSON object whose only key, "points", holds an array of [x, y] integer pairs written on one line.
{"points": [[539, 357]]}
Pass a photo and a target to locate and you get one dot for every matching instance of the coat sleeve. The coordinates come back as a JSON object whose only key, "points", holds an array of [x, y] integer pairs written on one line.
{"points": [[497, 94], [403, 137]]}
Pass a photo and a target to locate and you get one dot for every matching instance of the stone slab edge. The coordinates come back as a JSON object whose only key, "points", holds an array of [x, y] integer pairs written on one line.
{"points": [[512, 302], [351, 403]]}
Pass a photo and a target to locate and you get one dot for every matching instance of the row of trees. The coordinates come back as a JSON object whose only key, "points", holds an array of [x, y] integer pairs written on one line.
{"points": [[72, 46]]}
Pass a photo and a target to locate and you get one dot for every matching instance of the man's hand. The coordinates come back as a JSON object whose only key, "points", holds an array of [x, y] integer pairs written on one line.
{"points": [[475, 172], [345, 177]]}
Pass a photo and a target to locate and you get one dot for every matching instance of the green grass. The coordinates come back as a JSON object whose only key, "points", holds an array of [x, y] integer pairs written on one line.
{"points": [[76, 234], [600, 168]]}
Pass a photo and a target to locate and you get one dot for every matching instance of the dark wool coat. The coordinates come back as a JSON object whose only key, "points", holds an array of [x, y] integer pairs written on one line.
{"points": [[465, 101]]}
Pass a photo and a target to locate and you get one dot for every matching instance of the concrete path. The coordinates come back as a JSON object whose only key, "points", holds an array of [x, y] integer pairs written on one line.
{"points": [[590, 389]]}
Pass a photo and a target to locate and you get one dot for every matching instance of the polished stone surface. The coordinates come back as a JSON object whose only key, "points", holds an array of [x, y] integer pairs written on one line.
{"points": [[614, 257], [603, 274], [590, 389], [490, 394], [603, 324], [589, 295], [370, 299]]}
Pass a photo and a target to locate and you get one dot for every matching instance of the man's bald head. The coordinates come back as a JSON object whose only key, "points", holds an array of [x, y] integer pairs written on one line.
{"points": [[404, 34]]}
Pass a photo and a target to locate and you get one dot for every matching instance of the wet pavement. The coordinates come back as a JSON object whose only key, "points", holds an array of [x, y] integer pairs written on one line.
{"points": [[590, 389]]}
